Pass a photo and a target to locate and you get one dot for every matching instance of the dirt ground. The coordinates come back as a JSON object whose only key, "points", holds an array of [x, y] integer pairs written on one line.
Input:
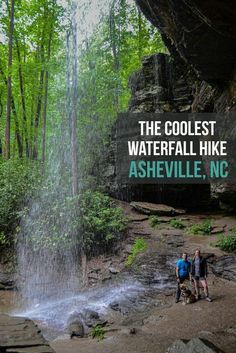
{"points": [[160, 326], [215, 321], [165, 325]]}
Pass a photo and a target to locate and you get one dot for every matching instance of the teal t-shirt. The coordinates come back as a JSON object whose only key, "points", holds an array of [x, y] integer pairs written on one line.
{"points": [[183, 267]]}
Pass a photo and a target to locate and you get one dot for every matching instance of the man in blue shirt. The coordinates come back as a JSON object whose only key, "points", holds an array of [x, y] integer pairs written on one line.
{"points": [[183, 267]]}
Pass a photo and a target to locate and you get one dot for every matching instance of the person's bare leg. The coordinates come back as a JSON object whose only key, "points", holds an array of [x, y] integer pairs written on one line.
{"points": [[205, 288], [196, 286]]}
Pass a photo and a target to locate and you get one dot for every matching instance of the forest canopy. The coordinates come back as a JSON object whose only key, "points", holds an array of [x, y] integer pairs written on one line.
{"points": [[33, 63], [55, 55]]}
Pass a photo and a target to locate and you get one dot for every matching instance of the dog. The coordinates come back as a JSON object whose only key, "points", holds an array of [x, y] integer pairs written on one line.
{"points": [[188, 296]]}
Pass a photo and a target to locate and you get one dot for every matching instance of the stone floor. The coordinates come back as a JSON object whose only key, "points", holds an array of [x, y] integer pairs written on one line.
{"points": [[21, 335]]}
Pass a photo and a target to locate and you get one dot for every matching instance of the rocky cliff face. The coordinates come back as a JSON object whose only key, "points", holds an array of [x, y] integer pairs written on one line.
{"points": [[199, 75], [160, 86], [201, 33]]}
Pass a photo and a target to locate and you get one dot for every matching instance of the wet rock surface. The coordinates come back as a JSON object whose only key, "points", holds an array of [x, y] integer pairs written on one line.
{"points": [[156, 209], [225, 267], [195, 345], [183, 22], [158, 269], [145, 299], [21, 335], [79, 324], [7, 281]]}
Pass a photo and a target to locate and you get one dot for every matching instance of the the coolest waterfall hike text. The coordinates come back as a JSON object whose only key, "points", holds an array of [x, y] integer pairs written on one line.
{"points": [[175, 148], [175, 169]]}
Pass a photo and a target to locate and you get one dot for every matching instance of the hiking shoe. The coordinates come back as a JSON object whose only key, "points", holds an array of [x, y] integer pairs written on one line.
{"points": [[177, 300], [208, 299]]}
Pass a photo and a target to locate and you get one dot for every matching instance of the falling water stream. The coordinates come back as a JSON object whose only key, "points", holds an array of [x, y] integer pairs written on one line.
{"points": [[49, 271]]}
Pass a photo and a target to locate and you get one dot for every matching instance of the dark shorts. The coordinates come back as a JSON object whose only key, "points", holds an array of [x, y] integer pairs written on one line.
{"points": [[182, 279], [198, 278]]}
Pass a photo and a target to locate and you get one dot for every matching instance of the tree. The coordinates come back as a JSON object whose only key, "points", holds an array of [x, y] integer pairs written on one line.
{"points": [[107, 58], [50, 37], [9, 81]]}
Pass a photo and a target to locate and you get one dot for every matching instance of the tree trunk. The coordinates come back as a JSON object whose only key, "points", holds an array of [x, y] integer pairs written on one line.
{"points": [[9, 85], [46, 92], [22, 92], [13, 109], [115, 53], [1, 112], [139, 34], [39, 107]]}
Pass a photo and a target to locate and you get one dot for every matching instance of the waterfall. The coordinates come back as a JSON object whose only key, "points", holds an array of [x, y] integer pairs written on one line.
{"points": [[49, 244]]}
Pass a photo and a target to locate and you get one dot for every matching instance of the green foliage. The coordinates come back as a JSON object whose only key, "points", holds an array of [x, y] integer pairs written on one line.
{"points": [[203, 228], [107, 60], [101, 222], [98, 332], [227, 243], [177, 223], [3, 240], [90, 220], [233, 230], [37, 30], [153, 221], [18, 179], [140, 245], [107, 57]]}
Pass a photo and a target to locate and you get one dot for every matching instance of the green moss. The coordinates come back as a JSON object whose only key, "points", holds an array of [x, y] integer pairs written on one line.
{"points": [[153, 221], [98, 332], [227, 243], [203, 228], [140, 245], [177, 223]]}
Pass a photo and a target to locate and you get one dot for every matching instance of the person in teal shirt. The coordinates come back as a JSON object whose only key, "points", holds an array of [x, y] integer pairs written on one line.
{"points": [[183, 268]]}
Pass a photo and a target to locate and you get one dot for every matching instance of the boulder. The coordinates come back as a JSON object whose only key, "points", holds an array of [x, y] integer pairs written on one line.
{"points": [[195, 345], [76, 329], [178, 346], [225, 267], [217, 230], [75, 325], [34, 349], [156, 209], [79, 324], [113, 270], [92, 318], [137, 218], [21, 335], [7, 281]]}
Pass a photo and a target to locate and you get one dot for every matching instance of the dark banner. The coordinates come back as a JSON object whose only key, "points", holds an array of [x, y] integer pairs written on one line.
{"points": [[175, 148]]}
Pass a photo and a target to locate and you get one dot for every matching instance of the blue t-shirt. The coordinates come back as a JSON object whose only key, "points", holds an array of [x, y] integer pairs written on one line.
{"points": [[183, 267]]}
